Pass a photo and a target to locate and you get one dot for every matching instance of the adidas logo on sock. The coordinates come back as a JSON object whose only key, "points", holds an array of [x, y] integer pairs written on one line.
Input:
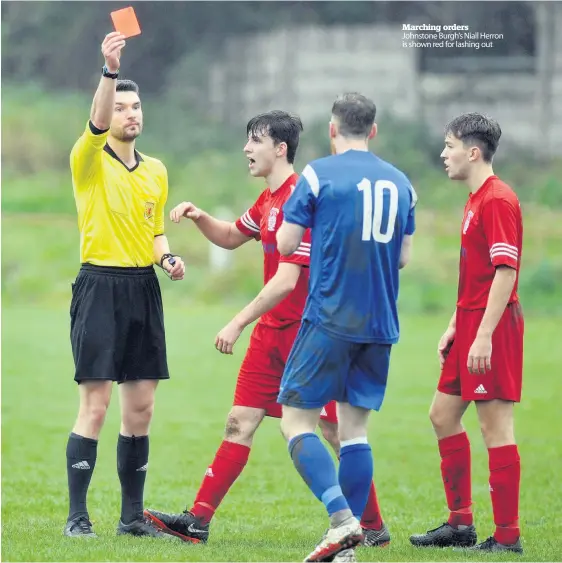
{"points": [[81, 465], [480, 389], [209, 472], [143, 468]]}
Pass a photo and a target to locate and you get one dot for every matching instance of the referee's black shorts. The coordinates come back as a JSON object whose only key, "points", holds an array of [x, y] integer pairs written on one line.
{"points": [[117, 325]]}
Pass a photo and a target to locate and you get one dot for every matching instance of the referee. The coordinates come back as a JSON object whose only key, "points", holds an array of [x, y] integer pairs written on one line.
{"points": [[116, 313]]}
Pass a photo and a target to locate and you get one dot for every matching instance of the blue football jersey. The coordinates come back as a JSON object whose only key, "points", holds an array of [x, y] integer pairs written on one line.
{"points": [[359, 208]]}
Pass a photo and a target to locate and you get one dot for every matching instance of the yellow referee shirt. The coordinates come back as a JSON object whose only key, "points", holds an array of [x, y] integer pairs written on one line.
{"points": [[120, 210]]}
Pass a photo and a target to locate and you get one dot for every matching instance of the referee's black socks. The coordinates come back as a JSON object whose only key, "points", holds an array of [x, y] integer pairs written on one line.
{"points": [[81, 454], [132, 464]]}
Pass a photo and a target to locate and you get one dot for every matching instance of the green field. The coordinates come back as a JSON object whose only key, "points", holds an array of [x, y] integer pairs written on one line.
{"points": [[269, 515]]}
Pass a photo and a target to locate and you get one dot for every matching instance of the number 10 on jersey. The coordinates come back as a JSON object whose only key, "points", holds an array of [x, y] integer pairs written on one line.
{"points": [[375, 210]]}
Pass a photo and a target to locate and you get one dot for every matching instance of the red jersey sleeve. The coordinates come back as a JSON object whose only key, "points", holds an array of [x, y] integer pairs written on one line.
{"points": [[502, 227], [249, 223], [302, 254]]}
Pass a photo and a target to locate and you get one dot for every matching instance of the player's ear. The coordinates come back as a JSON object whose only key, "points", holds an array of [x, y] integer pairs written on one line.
{"points": [[282, 149], [474, 154], [373, 132]]}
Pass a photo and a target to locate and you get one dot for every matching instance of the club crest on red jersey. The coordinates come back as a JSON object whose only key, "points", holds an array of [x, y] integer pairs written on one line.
{"points": [[469, 216], [272, 219]]}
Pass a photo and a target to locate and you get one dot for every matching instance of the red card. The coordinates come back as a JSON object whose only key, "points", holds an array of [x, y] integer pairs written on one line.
{"points": [[125, 22]]}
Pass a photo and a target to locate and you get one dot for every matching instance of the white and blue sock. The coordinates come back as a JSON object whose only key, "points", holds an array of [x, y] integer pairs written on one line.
{"points": [[315, 465]]}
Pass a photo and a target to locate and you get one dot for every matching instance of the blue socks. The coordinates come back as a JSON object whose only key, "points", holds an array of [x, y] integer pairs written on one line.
{"points": [[315, 465], [356, 473]]}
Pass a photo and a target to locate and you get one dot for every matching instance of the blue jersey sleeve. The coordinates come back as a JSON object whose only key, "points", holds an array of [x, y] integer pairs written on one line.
{"points": [[300, 207], [411, 224]]}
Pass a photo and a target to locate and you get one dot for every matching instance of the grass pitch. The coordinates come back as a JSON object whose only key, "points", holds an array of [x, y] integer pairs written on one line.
{"points": [[269, 514]]}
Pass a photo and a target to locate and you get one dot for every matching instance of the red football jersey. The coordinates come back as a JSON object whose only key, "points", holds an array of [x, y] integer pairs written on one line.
{"points": [[262, 222], [492, 235]]}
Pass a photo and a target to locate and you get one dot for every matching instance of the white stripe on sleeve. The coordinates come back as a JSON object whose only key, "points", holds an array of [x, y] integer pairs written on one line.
{"points": [[249, 223], [312, 179], [503, 249]]}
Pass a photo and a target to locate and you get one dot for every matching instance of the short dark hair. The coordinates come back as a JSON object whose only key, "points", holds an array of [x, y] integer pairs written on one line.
{"points": [[127, 86], [281, 126], [355, 114], [476, 129]]}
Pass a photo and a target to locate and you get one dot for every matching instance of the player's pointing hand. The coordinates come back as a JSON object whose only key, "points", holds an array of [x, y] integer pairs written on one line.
{"points": [[185, 209]]}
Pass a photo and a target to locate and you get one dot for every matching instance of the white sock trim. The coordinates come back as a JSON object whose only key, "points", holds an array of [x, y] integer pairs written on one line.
{"points": [[353, 441]]}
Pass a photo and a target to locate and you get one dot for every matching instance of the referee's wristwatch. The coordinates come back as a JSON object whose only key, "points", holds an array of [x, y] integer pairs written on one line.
{"points": [[169, 257], [105, 72]]}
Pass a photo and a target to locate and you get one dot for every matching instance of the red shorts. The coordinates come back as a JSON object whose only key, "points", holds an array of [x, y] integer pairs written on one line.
{"points": [[505, 379], [329, 413], [260, 375]]}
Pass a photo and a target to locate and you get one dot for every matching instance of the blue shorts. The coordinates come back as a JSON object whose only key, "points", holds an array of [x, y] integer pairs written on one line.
{"points": [[322, 368]]}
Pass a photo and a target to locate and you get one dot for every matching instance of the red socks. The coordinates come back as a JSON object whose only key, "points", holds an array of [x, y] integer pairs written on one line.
{"points": [[455, 470], [505, 476], [371, 519], [229, 462]]}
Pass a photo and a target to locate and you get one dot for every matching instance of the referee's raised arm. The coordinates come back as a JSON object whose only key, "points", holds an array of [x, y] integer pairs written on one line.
{"points": [[85, 158], [104, 99]]}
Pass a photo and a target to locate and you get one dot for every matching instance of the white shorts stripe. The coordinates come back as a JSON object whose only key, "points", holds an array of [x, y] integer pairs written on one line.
{"points": [[307, 254]]}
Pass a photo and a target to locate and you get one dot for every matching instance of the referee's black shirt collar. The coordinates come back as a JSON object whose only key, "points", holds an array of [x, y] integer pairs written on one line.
{"points": [[111, 153]]}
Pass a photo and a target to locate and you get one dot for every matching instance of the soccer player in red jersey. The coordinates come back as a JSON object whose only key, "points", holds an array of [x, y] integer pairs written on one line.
{"points": [[273, 139], [481, 352]]}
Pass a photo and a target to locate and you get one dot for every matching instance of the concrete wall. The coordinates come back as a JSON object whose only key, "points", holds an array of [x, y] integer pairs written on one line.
{"points": [[303, 69]]}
